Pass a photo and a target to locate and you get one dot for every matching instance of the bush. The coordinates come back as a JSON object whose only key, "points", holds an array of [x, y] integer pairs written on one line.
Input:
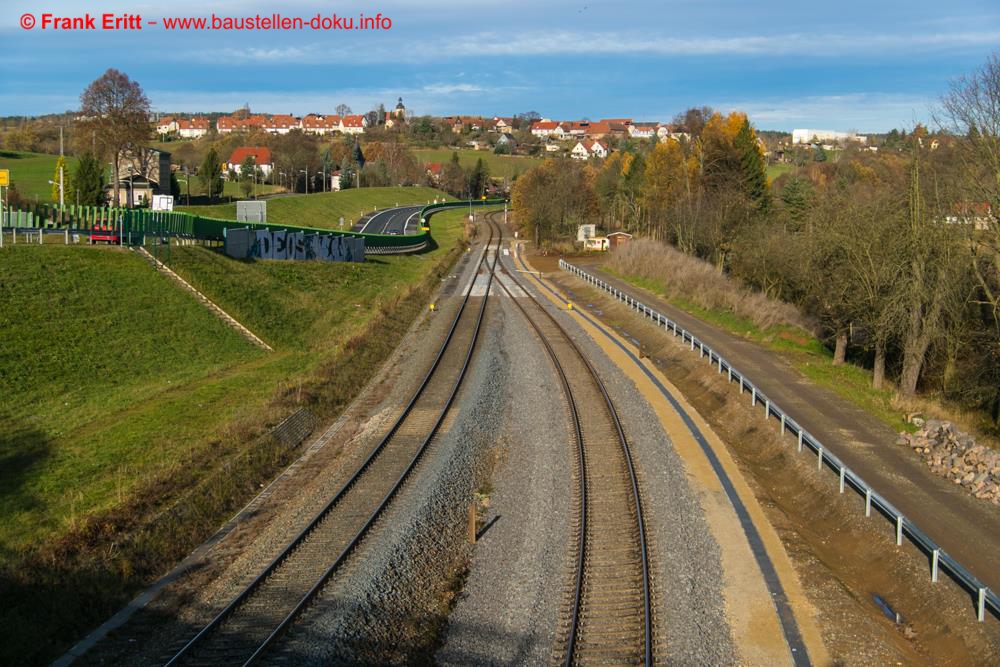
{"points": [[686, 277]]}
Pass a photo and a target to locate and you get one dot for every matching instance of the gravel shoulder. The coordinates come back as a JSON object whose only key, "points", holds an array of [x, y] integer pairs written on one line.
{"points": [[186, 605], [842, 559], [691, 622]]}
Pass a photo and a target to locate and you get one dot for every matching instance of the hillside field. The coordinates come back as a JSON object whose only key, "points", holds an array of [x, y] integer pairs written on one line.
{"points": [[507, 166], [120, 395], [31, 173]]}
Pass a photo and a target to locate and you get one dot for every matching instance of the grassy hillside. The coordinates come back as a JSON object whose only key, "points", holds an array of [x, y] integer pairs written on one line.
{"points": [[93, 340], [122, 397], [325, 209], [498, 165], [31, 173]]}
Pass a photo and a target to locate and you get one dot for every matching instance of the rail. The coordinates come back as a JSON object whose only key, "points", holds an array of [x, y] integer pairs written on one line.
{"points": [[984, 597], [299, 539], [631, 477]]}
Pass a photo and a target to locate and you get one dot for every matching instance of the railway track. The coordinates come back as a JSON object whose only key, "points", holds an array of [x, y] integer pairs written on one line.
{"points": [[609, 612], [247, 628]]}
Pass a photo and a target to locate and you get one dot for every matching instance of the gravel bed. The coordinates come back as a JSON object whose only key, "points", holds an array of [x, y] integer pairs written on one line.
{"points": [[168, 622], [510, 607], [385, 607], [691, 624]]}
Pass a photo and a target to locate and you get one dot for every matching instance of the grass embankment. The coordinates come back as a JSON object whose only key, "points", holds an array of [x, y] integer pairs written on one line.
{"points": [[324, 209], [697, 288], [31, 173], [130, 419], [506, 166]]}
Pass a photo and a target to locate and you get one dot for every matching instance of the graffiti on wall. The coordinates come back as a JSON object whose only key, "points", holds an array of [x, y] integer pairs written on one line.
{"points": [[269, 244]]}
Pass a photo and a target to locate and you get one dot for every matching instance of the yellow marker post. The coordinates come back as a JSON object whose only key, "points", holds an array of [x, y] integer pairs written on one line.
{"points": [[569, 305], [432, 307]]}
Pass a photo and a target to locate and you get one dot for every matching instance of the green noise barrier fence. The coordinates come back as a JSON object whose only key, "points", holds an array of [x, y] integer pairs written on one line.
{"points": [[135, 223]]}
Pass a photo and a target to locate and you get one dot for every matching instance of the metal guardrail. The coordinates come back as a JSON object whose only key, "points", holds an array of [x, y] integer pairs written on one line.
{"points": [[984, 597]]}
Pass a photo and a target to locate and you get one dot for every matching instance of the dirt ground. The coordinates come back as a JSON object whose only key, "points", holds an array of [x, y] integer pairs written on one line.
{"points": [[843, 559]]}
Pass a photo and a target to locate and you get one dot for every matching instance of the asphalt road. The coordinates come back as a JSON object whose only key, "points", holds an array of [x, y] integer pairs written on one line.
{"points": [[399, 221]]}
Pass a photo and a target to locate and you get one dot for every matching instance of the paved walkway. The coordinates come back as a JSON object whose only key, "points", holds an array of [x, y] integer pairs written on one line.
{"points": [[967, 528]]}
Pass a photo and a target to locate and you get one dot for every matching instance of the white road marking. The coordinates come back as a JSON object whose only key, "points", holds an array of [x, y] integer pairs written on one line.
{"points": [[407, 224], [372, 219]]}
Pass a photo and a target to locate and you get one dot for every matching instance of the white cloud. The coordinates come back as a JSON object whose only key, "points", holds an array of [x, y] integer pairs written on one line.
{"points": [[865, 112], [433, 98]]}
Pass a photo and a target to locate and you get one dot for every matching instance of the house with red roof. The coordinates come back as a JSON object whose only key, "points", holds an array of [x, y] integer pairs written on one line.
{"points": [[316, 124], [192, 128], [547, 128], [434, 169], [584, 150], [354, 124], [598, 130], [641, 131], [166, 125], [281, 124], [260, 154]]}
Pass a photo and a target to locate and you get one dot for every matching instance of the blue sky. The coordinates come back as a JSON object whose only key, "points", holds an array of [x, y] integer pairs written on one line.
{"points": [[867, 66]]}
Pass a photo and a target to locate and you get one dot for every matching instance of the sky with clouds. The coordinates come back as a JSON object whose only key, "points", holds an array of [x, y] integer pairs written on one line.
{"points": [[864, 65]]}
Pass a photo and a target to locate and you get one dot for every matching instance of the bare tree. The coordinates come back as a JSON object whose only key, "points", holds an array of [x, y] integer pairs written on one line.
{"points": [[117, 113], [343, 110], [972, 110]]}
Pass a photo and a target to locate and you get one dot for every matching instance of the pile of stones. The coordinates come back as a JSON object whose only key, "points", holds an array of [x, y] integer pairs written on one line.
{"points": [[955, 455]]}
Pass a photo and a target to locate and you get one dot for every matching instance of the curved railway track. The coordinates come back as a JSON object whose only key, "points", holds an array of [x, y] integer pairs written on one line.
{"points": [[609, 610], [260, 614]]}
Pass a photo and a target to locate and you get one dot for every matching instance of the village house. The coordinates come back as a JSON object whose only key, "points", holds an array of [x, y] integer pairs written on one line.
{"points": [[166, 125], [507, 141], [228, 124], [547, 128], [140, 176], [355, 124], [598, 130], [584, 150], [642, 131], [260, 154], [316, 124], [281, 124], [192, 128], [668, 132], [434, 170], [501, 125]]}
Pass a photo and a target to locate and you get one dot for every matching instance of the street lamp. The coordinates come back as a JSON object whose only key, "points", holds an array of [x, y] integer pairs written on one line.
{"points": [[306, 172], [131, 203]]}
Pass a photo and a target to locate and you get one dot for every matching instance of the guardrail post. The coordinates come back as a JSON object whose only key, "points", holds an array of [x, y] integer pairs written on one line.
{"points": [[868, 502], [730, 373], [753, 396], [981, 612], [935, 555], [782, 423], [692, 343], [720, 365], [819, 459], [767, 409], [701, 355], [899, 530], [842, 475], [800, 439], [741, 384]]}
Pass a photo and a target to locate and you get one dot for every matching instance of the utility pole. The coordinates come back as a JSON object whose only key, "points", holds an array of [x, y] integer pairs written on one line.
{"points": [[62, 168]]}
